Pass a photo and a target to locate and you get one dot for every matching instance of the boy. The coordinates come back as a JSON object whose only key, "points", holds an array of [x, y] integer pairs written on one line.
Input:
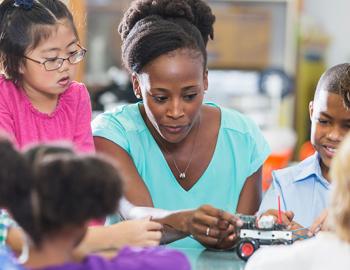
{"points": [[304, 188]]}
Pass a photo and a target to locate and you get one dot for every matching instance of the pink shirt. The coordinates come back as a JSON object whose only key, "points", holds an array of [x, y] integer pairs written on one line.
{"points": [[26, 125]]}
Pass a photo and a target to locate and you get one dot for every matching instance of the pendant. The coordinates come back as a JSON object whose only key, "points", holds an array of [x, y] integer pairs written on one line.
{"points": [[182, 175]]}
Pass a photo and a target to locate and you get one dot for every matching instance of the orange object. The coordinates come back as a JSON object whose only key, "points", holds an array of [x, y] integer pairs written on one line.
{"points": [[306, 150], [274, 161]]}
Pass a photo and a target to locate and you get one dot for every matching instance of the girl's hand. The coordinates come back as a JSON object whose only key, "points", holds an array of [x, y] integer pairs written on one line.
{"points": [[139, 233], [213, 227]]}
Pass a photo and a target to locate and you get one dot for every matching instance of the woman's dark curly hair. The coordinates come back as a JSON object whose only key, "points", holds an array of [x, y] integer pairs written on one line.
{"points": [[67, 190], [22, 29], [151, 28], [336, 80]]}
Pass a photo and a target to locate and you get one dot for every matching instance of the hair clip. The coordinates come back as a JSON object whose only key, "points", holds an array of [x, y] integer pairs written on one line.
{"points": [[25, 4]]}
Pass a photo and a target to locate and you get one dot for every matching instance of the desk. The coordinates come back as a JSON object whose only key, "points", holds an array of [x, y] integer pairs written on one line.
{"points": [[213, 260]]}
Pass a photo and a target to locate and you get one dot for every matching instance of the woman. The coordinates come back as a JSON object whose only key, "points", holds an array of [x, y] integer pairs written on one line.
{"points": [[174, 151]]}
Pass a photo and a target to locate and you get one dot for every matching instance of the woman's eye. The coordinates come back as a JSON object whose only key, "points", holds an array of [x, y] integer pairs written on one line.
{"points": [[190, 96], [159, 98]]}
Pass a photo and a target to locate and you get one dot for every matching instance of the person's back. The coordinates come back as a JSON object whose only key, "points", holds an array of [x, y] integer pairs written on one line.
{"points": [[91, 188]]}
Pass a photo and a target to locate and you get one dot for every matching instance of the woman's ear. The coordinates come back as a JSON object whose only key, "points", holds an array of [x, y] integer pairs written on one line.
{"points": [[205, 80], [136, 85]]}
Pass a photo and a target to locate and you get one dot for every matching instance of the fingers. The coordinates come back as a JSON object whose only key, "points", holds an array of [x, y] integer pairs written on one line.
{"points": [[153, 226], [318, 225], [286, 217]]}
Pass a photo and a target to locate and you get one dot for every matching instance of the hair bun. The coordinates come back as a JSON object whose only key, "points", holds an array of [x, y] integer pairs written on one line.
{"points": [[25, 4]]}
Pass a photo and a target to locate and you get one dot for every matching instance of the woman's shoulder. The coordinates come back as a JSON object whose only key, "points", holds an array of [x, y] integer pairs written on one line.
{"points": [[127, 117], [233, 120]]}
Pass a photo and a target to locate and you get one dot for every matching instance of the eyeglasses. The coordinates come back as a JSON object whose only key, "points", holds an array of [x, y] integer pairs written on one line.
{"points": [[56, 63]]}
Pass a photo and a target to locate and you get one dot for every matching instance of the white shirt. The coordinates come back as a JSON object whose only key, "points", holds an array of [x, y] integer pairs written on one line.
{"points": [[325, 251]]}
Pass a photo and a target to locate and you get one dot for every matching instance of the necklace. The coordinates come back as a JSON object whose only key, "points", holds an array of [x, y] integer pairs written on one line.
{"points": [[182, 174]]}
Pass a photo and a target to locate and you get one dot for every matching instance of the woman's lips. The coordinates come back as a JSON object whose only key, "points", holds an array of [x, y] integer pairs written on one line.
{"points": [[174, 129]]}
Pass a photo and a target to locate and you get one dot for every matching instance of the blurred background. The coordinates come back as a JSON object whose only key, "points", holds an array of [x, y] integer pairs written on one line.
{"points": [[265, 61]]}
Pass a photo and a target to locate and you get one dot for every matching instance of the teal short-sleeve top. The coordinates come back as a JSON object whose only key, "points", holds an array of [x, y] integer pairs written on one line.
{"points": [[240, 151]]}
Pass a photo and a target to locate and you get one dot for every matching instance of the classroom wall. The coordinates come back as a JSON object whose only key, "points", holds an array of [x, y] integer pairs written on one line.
{"points": [[334, 17]]}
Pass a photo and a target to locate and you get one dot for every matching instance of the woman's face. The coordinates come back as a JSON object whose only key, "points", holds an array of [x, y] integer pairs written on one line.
{"points": [[172, 88]]}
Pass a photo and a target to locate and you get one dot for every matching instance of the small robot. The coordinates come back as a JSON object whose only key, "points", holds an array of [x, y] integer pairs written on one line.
{"points": [[255, 233]]}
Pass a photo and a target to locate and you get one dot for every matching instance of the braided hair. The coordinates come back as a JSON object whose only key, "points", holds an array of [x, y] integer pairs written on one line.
{"points": [[151, 28]]}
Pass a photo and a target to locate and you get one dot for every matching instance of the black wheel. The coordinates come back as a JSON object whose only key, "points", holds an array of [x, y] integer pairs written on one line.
{"points": [[246, 248], [280, 242]]}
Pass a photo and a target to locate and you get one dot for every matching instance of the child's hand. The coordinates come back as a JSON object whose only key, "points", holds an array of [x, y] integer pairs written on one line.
{"points": [[287, 217], [140, 233], [319, 224]]}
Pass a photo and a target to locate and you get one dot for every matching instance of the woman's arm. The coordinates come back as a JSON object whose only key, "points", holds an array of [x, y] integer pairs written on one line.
{"points": [[134, 188], [177, 224], [250, 197]]}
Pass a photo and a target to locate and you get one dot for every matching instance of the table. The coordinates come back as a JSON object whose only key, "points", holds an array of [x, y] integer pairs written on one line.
{"points": [[213, 260]]}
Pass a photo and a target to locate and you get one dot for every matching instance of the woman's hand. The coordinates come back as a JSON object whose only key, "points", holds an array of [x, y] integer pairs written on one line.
{"points": [[213, 227]]}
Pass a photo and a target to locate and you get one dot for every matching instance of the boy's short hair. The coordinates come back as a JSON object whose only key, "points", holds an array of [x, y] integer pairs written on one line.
{"points": [[336, 80]]}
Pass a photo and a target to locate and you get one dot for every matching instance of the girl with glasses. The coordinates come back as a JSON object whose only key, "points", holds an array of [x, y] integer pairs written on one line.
{"points": [[40, 102], [39, 53]]}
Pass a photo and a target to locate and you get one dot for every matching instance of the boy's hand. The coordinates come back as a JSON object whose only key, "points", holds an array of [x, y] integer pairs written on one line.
{"points": [[287, 216], [319, 224]]}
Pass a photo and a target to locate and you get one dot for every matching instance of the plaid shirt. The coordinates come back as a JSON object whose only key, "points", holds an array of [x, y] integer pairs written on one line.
{"points": [[5, 223]]}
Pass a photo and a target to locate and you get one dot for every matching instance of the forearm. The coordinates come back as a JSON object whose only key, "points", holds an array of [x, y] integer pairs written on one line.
{"points": [[99, 238], [174, 222]]}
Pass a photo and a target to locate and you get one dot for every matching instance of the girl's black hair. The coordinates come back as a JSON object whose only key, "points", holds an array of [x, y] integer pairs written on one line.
{"points": [[14, 173], [151, 28], [23, 29], [67, 190]]}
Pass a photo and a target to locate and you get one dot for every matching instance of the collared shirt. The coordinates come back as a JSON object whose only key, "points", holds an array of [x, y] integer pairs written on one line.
{"points": [[302, 189], [323, 252]]}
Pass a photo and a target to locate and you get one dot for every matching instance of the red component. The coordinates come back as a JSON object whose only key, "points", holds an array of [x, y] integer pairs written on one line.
{"points": [[279, 221], [247, 249]]}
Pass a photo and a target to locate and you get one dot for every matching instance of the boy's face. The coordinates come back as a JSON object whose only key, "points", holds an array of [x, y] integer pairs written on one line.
{"points": [[330, 121]]}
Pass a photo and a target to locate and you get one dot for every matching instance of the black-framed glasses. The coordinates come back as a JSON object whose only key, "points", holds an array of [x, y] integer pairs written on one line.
{"points": [[56, 63]]}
